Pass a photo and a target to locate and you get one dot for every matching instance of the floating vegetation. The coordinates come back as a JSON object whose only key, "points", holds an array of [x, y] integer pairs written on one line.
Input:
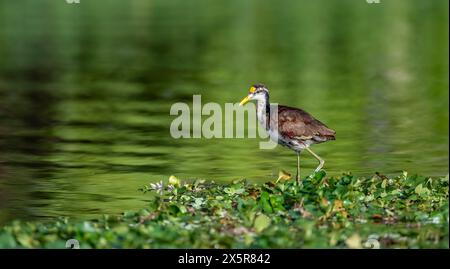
{"points": [[322, 212]]}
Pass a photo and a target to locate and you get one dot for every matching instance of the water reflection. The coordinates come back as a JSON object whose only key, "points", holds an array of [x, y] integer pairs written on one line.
{"points": [[85, 93]]}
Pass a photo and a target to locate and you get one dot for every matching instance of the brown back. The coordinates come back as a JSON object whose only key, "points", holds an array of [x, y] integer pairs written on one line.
{"points": [[299, 124]]}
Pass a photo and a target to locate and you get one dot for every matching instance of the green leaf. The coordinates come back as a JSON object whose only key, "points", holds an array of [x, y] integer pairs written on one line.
{"points": [[261, 223], [174, 209], [7, 241], [265, 203], [421, 191], [276, 202], [320, 175], [174, 181]]}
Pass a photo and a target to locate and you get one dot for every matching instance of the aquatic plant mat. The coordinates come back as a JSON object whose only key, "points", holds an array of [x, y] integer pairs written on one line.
{"points": [[322, 212]]}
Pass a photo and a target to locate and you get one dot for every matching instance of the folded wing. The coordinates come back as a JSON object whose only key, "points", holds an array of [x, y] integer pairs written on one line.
{"points": [[298, 124]]}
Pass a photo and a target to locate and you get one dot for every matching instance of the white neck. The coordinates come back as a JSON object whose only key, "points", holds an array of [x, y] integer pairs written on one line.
{"points": [[261, 111]]}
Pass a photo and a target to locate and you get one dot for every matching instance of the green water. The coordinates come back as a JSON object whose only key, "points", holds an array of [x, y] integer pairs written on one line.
{"points": [[86, 89]]}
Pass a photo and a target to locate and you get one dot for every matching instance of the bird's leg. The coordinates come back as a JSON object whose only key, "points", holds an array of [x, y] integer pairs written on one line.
{"points": [[297, 177], [321, 161]]}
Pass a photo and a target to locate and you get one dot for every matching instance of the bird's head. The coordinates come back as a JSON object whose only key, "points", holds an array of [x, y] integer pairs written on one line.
{"points": [[256, 92]]}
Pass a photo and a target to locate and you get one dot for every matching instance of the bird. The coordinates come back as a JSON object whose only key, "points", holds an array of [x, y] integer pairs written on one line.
{"points": [[291, 127]]}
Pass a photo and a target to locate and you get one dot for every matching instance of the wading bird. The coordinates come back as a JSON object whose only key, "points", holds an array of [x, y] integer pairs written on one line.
{"points": [[288, 126]]}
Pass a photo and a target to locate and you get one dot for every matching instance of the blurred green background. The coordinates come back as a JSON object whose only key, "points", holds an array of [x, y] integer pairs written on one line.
{"points": [[85, 93]]}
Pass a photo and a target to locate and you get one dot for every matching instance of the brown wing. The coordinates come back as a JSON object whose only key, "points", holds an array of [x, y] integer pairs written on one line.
{"points": [[299, 124]]}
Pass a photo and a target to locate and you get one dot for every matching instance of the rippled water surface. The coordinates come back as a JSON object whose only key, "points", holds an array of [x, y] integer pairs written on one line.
{"points": [[86, 90]]}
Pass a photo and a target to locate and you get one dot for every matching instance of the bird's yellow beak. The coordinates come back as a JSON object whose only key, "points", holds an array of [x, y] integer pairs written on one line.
{"points": [[244, 101], [247, 98]]}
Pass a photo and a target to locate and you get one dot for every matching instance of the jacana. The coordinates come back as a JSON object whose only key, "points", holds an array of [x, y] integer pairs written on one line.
{"points": [[290, 127]]}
